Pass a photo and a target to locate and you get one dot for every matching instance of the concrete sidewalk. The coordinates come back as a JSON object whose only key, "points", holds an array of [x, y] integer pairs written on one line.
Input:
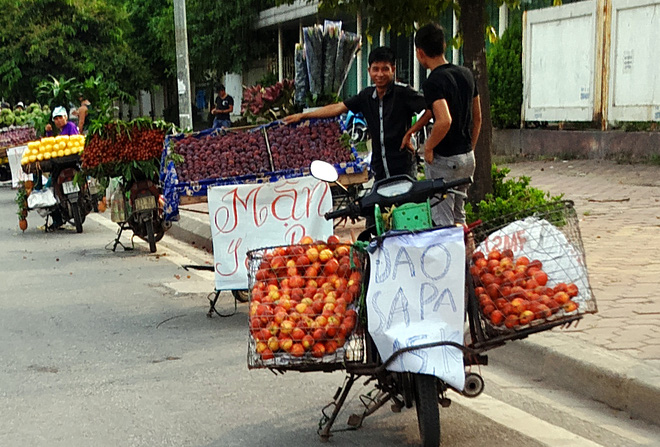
{"points": [[614, 355]]}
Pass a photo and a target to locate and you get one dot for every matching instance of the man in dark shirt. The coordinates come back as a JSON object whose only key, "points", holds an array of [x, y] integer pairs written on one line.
{"points": [[224, 105], [453, 101], [388, 108]]}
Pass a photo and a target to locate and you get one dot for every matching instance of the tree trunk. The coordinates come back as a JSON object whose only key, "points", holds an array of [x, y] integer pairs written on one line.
{"points": [[472, 23]]}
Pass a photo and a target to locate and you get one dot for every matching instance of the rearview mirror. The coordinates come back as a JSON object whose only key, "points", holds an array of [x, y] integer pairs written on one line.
{"points": [[324, 171]]}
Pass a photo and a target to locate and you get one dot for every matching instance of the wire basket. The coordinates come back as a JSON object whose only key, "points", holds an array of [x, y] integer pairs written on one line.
{"points": [[529, 273], [304, 306]]}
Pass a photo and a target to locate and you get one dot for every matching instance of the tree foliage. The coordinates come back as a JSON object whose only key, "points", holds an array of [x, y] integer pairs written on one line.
{"points": [[152, 37], [222, 37], [505, 78], [397, 17], [66, 39], [55, 92]]}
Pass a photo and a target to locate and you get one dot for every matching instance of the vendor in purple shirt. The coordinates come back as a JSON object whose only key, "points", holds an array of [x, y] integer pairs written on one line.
{"points": [[60, 118]]}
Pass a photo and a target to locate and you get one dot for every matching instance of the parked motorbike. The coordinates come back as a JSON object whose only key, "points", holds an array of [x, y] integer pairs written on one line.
{"points": [[137, 206], [402, 389], [70, 197], [356, 126]]}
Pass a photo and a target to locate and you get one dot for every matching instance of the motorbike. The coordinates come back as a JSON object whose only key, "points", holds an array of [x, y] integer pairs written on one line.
{"points": [[356, 126], [76, 197], [404, 366], [403, 389], [136, 205], [70, 198]]}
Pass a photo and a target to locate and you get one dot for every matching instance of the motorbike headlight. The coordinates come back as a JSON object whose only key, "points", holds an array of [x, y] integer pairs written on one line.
{"points": [[395, 189]]}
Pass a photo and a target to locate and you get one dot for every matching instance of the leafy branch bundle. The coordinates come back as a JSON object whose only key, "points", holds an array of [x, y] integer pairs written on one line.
{"points": [[124, 149], [265, 104]]}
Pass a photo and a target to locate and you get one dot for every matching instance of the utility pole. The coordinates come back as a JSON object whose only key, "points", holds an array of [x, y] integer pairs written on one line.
{"points": [[182, 64]]}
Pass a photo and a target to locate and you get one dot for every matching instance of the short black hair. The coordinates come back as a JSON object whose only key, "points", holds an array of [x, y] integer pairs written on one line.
{"points": [[431, 39], [382, 54], [220, 88]]}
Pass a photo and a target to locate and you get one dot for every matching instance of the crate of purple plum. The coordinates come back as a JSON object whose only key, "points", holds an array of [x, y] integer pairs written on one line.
{"points": [[15, 136], [293, 148], [192, 163]]}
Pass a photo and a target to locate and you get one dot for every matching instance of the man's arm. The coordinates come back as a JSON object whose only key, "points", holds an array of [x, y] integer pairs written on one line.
{"points": [[230, 104], [476, 120], [82, 114], [329, 111], [440, 128], [419, 125]]}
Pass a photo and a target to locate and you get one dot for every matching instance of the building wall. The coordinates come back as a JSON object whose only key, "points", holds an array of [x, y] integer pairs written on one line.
{"points": [[590, 144]]}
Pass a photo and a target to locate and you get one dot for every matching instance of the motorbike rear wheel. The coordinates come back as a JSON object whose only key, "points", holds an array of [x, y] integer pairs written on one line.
{"points": [[426, 404], [77, 216], [358, 133], [151, 237]]}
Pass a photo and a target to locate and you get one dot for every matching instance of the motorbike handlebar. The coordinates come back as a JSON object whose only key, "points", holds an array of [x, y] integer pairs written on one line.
{"points": [[420, 191], [459, 182], [349, 211]]}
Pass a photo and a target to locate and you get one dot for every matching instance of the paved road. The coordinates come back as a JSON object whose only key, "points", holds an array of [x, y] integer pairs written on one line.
{"points": [[115, 349]]}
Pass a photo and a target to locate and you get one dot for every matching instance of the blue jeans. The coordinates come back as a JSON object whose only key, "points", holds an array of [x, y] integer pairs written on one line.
{"points": [[217, 123]]}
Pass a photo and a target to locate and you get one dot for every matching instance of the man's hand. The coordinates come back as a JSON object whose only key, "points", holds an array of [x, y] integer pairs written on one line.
{"points": [[292, 119], [428, 154], [406, 143], [49, 128]]}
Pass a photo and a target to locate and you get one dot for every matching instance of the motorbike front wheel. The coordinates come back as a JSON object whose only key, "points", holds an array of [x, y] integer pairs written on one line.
{"points": [[426, 404], [151, 237], [77, 216]]}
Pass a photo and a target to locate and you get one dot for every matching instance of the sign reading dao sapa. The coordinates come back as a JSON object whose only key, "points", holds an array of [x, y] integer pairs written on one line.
{"points": [[416, 296], [250, 216]]}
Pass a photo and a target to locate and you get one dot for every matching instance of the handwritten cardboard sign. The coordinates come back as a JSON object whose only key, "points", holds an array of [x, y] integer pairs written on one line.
{"points": [[15, 154], [249, 216], [416, 296]]}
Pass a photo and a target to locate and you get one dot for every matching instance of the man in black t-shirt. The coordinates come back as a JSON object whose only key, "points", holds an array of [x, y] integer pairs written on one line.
{"points": [[452, 100], [388, 108], [224, 105]]}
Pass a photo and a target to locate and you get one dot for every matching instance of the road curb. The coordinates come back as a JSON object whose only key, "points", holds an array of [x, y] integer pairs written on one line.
{"points": [[193, 228], [562, 360]]}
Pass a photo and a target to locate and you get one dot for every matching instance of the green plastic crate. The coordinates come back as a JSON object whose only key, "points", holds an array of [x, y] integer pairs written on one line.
{"points": [[412, 216]]}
